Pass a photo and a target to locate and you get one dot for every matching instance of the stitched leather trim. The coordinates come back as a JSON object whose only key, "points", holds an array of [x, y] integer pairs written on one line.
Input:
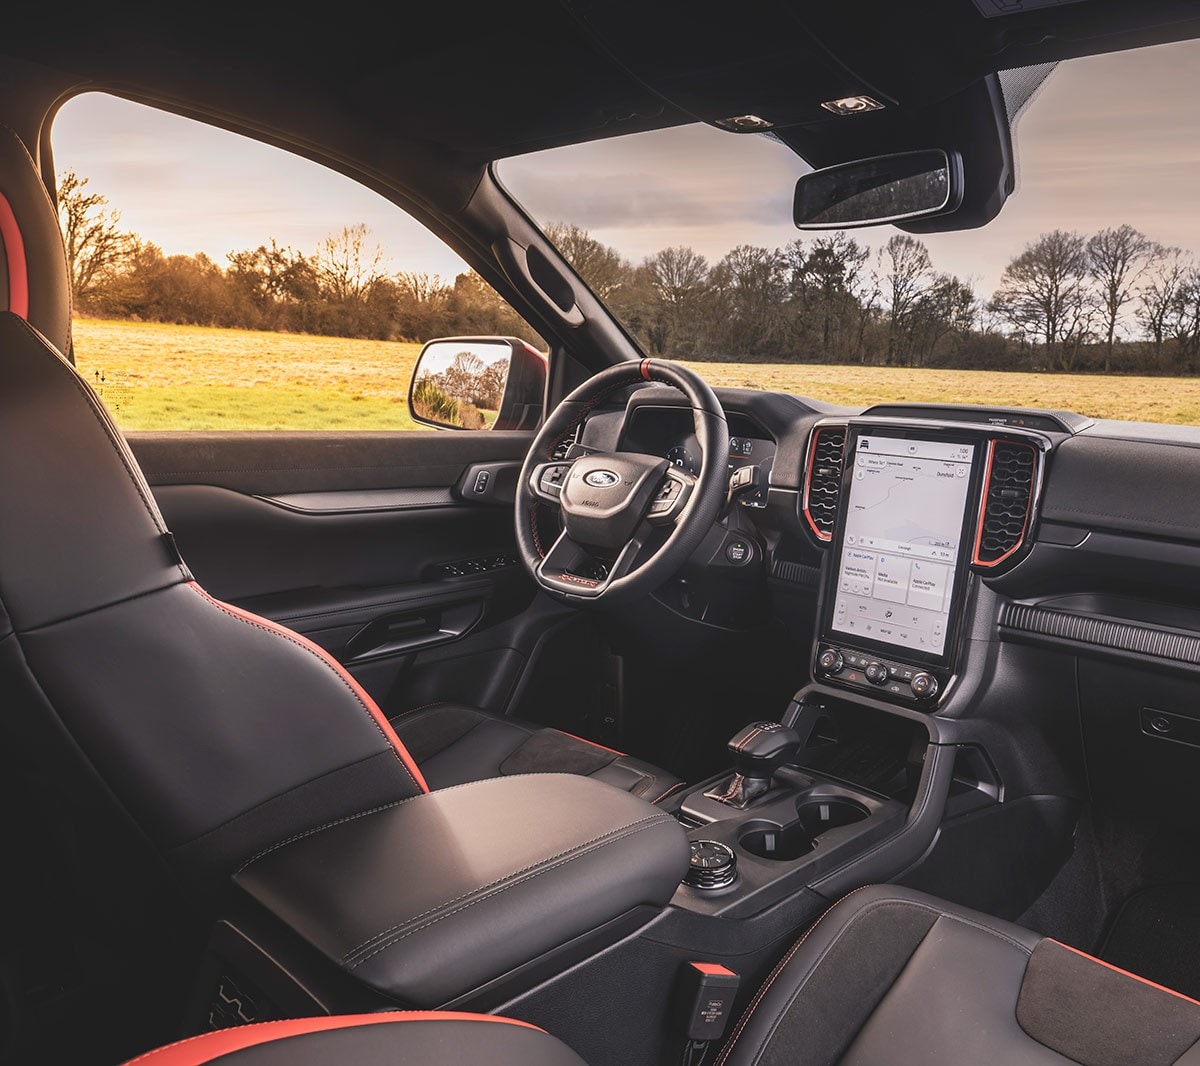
{"points": [[196, 1050], [504, 884], [856, 916], [368, 704]]}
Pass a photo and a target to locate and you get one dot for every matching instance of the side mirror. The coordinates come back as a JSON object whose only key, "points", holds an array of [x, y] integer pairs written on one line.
{"points": [[478, 383], [888, 188]]}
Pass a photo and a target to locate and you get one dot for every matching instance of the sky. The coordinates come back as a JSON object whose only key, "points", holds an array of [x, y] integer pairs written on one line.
{"points": [[1109, 139]]}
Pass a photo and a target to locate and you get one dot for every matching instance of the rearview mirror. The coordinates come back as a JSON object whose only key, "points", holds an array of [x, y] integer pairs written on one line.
{"points": [[888, 188], [478, 383]]}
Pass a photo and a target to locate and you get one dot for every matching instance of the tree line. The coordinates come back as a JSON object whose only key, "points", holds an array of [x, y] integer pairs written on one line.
{"points": [[1113, 301], [341, 289]]}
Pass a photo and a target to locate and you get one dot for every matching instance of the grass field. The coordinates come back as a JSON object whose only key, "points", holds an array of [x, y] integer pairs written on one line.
{"points": [[161, 377]]}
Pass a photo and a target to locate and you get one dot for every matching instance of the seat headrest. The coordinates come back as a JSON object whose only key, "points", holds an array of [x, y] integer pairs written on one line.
{"points": [[35, 283]]}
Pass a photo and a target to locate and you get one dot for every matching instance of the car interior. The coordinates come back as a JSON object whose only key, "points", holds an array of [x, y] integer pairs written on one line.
{"points": [[658, 722]]}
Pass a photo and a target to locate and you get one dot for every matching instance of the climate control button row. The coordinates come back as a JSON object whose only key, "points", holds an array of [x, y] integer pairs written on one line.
{"points": [[866, 671]]}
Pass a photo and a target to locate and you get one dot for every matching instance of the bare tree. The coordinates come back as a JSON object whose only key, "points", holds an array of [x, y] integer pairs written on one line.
{"points": [[97, 247], [750, 285], [1043, 293], [1162, 280], [347, 268], [1116, 256], [599, 265], [905, 272], [827, 283], [678, 277]]}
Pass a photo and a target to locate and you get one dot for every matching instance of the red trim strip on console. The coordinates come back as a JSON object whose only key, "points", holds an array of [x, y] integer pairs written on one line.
{"points": [[14, 254], [1126, 973], [204, 1048], [603, 747], [372, 707]]}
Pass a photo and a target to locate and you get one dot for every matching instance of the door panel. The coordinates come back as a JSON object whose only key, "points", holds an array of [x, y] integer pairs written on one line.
{"points": [[377, 546]]}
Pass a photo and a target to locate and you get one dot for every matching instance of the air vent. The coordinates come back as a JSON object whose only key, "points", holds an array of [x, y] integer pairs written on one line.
{"points": [[1007, 501], [824, 479], [565, 445]]}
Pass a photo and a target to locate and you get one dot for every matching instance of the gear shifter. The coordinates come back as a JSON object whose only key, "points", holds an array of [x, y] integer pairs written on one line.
{"points": [[757, 752]]}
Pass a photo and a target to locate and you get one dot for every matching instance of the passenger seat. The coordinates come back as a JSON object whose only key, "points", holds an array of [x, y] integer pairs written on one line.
{"points": [[887, 977]]}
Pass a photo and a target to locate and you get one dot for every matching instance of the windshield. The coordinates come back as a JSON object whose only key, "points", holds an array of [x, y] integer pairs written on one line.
{"points": [[1083, 295]]}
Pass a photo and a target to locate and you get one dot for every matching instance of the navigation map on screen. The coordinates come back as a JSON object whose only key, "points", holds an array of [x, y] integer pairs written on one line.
{"points": [[900, 544]]}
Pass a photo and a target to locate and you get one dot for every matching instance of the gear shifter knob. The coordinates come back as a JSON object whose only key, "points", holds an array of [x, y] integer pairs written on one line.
{"points": [[757, 752]]}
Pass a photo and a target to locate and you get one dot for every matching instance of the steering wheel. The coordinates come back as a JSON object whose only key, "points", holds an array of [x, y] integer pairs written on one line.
{"points": [[630, 521]]}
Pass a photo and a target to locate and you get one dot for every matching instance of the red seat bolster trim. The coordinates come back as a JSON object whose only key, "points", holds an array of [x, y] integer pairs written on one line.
{"points": [[204, 1048], [1110, 966], [372, 707], [14, 254]]}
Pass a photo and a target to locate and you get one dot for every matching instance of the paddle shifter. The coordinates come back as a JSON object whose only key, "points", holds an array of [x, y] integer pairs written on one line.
{"points": [[757, 751]]}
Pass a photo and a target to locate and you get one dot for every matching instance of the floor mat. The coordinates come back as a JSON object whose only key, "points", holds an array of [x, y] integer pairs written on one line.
{"points": [[1156, 935]]}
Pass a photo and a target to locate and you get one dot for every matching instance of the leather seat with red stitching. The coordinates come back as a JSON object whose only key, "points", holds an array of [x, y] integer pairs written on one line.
{"points": [[216, 732], [888, 977]]}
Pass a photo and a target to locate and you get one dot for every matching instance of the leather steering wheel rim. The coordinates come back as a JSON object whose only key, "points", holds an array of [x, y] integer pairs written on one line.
{"points": [[703, 503]]}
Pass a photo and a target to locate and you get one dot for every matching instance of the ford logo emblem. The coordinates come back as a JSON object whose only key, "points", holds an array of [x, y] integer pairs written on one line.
{"points": [[601, 479]]}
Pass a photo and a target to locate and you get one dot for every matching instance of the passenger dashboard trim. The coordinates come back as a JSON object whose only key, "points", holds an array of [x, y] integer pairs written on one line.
{"points": [[1140, 638]]}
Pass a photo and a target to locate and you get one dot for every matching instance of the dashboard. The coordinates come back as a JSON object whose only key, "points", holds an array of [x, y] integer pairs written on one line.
{"points": [[1023, 582]]}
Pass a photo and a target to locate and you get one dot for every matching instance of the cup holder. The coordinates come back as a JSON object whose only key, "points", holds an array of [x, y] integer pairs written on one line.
{"points": [[813, 817]]}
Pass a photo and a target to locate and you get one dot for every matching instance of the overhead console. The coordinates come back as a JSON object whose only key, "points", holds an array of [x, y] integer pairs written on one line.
{"points": [[908, 509]]}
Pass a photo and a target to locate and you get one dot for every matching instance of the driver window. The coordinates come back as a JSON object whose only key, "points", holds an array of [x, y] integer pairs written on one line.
{"points": [[223, 284]]}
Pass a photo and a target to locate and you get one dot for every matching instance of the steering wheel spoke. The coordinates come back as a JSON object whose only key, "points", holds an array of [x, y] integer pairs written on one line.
{"points": [[669, 501], [571, 568], [547, 480]]}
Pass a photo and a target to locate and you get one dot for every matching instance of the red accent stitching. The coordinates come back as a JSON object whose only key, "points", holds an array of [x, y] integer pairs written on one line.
{"points": [[14, 254], [533, 525], [225, 1041], [368, 704], [779, 967], [678, 784]]}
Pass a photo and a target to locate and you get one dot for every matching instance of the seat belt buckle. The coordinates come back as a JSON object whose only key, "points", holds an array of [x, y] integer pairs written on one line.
{"points": [[704, 995]]}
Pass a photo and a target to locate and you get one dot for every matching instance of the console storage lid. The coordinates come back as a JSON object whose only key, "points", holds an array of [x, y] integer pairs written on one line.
{"points": [[427, 899]]}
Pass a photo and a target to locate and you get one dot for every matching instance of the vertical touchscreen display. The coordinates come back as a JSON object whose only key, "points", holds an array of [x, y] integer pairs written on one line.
{"points": [[900, 545]]}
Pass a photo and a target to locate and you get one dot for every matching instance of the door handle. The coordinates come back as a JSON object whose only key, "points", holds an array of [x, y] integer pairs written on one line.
{"points": [[395, 634]]}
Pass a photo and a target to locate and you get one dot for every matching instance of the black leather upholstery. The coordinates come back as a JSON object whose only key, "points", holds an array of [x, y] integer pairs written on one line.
{"points": [[396, 1039], [216, 732], [427, 899], [891, 977], [455, 744]]}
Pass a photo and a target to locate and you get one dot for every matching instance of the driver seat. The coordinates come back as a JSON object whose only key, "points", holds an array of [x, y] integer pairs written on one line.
{"points": [[216, 732]]}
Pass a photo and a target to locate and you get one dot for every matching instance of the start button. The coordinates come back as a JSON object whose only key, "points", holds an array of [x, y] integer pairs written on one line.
{"points": [[737, 552]]}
